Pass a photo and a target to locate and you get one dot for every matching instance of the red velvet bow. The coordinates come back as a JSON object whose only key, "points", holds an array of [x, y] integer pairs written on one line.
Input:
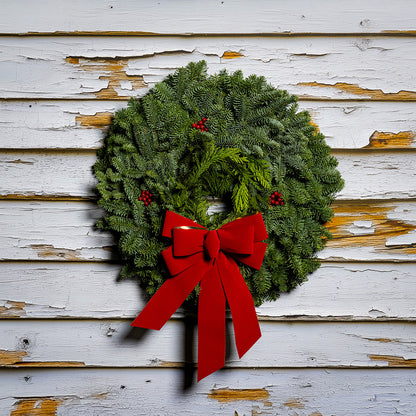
{"points": [[209, 257]]}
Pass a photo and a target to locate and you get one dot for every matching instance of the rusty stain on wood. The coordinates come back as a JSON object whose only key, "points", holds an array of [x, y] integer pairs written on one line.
{"points": [[48, 250], [231, 55], [13, 309], [394, 361], [100, 120], [10, 358], [383, 140], [345, 215], [40, 406], [232, 395], [294, 403], [355, 89], [114, 71]]}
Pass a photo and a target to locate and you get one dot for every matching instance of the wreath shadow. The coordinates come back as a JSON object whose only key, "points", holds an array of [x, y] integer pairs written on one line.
{"points": [[189, 344]]}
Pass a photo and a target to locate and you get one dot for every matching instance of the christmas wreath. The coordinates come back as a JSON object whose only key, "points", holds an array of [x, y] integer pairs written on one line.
{"points": [[195, 139]]}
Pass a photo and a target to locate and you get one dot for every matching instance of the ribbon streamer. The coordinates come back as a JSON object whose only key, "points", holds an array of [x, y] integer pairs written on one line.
{"points": [[198, 255]]}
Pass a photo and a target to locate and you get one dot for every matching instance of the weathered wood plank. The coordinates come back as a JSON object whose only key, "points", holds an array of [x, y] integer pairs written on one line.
{"points": [[119, 67], [84, 343], [229, 17], [78, 392], [64, 231], [83, 125], [336, 291], [367, 174]]}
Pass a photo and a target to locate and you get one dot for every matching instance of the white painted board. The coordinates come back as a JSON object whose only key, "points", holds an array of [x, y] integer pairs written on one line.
{"points": [[72, 124], [114, 343], [231, 16], [65, 231], [121, 67], [336, 291], [367, 174]]}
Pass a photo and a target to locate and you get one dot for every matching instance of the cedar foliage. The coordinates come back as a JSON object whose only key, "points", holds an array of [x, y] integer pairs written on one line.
{"points": [[257, 142]]}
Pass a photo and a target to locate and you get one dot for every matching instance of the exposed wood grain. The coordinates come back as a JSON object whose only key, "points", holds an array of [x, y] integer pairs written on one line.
{"points": [[121, 67], [367, 174], [151, 17], [384, 140], [39, 406], [234, 395], [336, 291], [65, 231], [10, 358], [375, 94], [394, 361], [115, 75], [66, 343], [83, 124], [132, 392], [378, 226]]}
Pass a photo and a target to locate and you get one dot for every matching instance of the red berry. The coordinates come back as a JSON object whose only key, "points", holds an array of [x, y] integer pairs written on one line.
{"points": [[146, 203], [282, 203], [204, 119], [276, 193], [140, 198], [198, 126], [150, 194], [201, 122], [272, 196]]}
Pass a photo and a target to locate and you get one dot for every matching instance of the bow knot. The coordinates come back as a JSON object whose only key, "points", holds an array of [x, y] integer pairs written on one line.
{"points": [[212, 244], [210, 259]]}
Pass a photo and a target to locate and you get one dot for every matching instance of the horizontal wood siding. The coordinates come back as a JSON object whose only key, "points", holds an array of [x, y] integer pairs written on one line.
{"points": [[343, 343]]}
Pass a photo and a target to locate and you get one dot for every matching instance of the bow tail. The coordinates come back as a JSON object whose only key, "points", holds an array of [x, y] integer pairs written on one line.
{"points": [[169, 298], [211, 324], [246, 326]]}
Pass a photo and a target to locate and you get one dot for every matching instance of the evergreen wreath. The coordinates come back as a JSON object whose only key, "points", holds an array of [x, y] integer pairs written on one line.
{"points": [[195, 137]]}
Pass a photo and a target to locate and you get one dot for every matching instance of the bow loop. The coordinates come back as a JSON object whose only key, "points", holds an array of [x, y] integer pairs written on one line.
{"points": [[187, 241]]}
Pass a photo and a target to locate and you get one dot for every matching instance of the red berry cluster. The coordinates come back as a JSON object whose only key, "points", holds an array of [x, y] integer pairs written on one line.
{"points": [[276, 199], [200, 125], [146, 197]]}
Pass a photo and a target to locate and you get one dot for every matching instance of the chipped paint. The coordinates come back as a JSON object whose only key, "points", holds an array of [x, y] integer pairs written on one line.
{"points": [[232, 395], [359, 224], [51, 364], [12, 309], [48, 250], [41, 406], [294, 403], [34, 197], [394, 361], [99, 120], [114, 71], [231, 55], [19, 162], [387, 140], [10, 358], [316, 414], [382, 340], [355, 89]]}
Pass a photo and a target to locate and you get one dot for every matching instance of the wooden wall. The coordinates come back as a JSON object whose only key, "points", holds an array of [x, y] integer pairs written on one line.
{"points": [[341, 344]]}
